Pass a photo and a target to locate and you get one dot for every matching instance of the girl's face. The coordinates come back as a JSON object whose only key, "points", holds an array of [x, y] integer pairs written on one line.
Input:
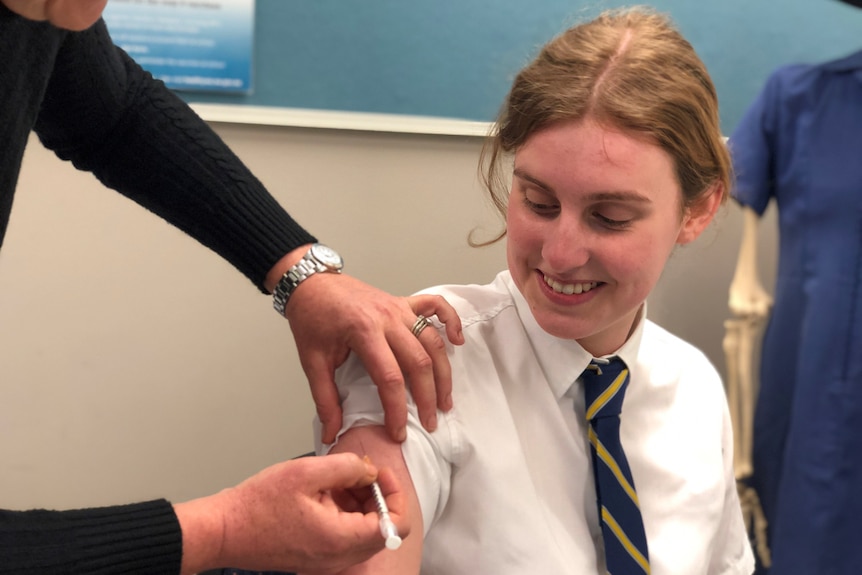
{"points": [[69, 14], [593, 216]]}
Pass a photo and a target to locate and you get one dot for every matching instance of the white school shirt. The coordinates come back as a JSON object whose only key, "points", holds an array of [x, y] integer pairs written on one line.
{"points": [[506, 483]]}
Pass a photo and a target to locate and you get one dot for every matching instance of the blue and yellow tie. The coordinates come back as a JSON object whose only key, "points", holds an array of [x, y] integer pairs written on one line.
{"points": [[622, 526]]}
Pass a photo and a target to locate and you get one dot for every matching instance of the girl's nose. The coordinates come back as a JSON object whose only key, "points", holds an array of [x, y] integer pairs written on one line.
{"points": [[566, 245]]}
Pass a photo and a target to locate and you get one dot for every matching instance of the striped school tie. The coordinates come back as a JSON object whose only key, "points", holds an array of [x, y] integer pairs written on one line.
{"points": [[622, 526]]}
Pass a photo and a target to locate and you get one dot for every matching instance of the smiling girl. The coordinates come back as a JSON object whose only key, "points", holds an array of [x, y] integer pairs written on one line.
{"points": [[606, 156]]}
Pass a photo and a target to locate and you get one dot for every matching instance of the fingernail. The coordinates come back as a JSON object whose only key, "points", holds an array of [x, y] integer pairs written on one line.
{"points": [[431, 423], [401, 435], [447, 403], [370, 469]]}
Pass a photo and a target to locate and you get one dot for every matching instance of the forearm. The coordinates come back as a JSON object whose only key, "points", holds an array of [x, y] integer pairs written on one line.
{"points": [[282, 265], [140, 538], [747, 296], [202, 526], [108, 116], [745, 273]]}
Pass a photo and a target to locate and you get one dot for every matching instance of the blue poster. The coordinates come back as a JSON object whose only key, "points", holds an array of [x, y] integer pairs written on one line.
{"points": [[188, 44]]}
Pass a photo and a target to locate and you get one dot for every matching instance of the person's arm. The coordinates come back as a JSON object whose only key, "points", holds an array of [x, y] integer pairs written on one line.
{"points": [[373, 442], [747, 296], [142, 538], [108, 116], [732, 553], [376, 327], [752, 146], [312, 513]]}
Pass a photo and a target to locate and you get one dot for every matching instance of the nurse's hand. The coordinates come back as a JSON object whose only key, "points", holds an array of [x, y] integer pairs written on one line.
{"points": [[333, 314], [313, 514]]}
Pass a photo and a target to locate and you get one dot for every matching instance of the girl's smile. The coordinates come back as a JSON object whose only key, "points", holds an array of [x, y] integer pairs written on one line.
{"points": [[593, 216]]}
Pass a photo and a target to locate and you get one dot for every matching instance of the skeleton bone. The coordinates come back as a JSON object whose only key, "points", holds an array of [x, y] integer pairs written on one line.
{"points": [[749, 303]]}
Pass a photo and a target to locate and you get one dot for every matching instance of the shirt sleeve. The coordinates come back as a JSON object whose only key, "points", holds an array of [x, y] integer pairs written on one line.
{"points": [[752, 148], [732, 554], [428, 455], [108, 116], [138, 538]]}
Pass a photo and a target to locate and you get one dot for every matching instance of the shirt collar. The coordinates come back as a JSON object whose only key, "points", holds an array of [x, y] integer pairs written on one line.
{"points": [[564, 360]]}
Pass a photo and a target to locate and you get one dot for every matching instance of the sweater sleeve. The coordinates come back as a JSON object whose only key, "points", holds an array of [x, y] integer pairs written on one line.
{"points": [[107, 115], [138, 538]]}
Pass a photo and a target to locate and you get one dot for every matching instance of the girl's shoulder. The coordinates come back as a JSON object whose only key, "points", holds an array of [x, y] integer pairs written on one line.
{"points": [[662, 350], [476, 302]]}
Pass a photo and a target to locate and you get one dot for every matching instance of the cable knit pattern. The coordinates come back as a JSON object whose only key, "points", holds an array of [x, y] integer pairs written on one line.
{"points": [[106, 115], [92, 105]]}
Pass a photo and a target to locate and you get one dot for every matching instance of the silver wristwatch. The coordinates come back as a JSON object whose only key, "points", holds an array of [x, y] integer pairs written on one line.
{"points": [[319, 258]]}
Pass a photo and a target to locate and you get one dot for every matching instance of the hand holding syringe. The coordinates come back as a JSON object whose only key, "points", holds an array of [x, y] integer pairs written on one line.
{"points": [[387, 527]]}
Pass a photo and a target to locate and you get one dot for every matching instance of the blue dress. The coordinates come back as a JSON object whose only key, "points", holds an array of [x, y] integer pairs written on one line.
{"points": [[801, 143]]}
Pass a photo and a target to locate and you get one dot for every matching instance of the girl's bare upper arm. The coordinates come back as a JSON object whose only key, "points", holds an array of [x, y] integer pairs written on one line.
{"points": [[374, 442]]}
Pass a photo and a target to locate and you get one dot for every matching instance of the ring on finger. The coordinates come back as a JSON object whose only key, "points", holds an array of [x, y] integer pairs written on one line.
{"points": [[421, 323]]}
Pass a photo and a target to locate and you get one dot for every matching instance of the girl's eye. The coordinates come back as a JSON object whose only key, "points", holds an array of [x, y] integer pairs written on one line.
{"points": [[539, 208], [541, 204], [612, 223]]}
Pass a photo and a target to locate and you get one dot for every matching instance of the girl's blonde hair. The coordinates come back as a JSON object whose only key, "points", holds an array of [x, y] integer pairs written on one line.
{"points": [[629, 69]]}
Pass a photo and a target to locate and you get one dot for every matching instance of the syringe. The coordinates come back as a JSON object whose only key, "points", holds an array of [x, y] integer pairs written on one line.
{"points": [[387, 528]]}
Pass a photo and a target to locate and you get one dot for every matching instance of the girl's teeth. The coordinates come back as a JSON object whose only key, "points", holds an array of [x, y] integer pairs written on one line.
{"points": [[570, 289]]}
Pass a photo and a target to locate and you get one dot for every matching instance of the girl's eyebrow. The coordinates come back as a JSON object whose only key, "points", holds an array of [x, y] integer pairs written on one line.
{"points": [[519, 173], [606, 196], [619, 196]]}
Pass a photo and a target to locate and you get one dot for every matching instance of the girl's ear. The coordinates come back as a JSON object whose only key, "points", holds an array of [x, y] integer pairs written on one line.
{"points": [[700, 214]]}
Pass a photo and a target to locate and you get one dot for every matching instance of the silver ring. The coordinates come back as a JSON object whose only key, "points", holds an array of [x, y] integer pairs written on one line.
{"points": [[421, 323]]}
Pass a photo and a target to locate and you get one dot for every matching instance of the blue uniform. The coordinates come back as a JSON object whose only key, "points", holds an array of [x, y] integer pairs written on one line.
{"points": [[801, 143]]}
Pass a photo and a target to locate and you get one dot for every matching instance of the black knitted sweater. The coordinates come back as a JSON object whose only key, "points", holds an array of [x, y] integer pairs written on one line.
{"points": [[92, 105]]}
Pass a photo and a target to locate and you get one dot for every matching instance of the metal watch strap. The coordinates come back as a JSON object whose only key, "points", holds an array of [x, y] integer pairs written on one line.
{"points": [[302, 270]]}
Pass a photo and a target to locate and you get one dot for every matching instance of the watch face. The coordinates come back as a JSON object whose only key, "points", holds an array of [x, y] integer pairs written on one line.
{"points": [[327, 256]]}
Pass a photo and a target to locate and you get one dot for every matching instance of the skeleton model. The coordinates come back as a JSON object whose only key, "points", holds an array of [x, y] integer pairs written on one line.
{"points": [[749, 304]]}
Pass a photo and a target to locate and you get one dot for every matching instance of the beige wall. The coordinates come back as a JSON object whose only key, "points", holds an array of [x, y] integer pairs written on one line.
{"points": [[135, 364]]}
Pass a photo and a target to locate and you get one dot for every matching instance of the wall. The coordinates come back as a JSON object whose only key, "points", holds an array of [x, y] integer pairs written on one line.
{"points": [[136, 365], [457, 59]]}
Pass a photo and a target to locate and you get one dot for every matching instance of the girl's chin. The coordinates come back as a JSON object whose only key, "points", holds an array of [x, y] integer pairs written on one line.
{"points": [[561, 327], [597, 341]]}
